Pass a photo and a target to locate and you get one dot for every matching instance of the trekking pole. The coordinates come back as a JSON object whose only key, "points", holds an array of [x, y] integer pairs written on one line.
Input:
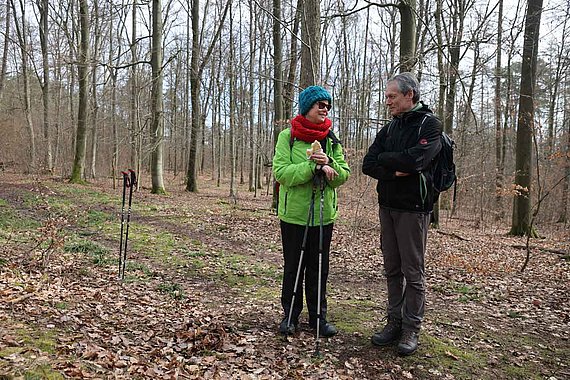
{"points": [[125, 185], [131, 183], [303, 247], [319, 289]]}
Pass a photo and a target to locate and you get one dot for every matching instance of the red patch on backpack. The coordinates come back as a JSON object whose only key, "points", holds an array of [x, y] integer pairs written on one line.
{"points": [[423, 141]]}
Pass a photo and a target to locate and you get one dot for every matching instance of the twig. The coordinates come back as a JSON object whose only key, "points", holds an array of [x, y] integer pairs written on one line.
{"points": [[453, 234], [20, 299], [558, 252]]}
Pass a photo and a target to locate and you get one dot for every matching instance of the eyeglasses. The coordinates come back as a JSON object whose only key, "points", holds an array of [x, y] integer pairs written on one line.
{"points": [[323, 105]]}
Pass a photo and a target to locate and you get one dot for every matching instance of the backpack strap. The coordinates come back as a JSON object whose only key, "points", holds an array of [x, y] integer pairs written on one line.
{"points": [[427, 115]]}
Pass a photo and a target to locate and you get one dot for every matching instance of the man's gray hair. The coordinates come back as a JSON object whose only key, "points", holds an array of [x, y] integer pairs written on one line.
{"points": [[407, 82]]}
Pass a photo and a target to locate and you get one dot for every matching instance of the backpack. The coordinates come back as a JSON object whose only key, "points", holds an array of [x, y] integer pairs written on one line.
{"points": [[444, 168]]}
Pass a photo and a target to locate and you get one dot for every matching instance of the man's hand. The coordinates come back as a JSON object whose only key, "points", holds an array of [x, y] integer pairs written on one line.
{"points": [[402, 174]]}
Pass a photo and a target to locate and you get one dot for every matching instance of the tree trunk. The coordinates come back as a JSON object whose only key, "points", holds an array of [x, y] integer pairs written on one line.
{"points": [[191, 182], [157, 122], [441, 88], [43, 11], [277, 83], [83, 74], [135, 130], [563, 209], [4, 59], [195, 77], [499, 167], [288, 87], [525, 123], [21, 32], [407, 10], [233, 126], [311, 39], [94, 96]]}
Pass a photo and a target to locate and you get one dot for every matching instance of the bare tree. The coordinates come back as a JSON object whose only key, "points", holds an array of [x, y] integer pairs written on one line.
{"points": [[22, 34], [44, 14], [233, 106], [135, 129], [83, 73], [563, 208], [288, 87], [525, 123], [311, 48], [407, 10], [4, 59], [94, 119], [157, 122], [499, 163], [197, 67]]}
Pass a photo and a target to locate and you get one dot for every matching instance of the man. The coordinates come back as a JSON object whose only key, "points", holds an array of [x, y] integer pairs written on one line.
{"points": [[401, 160]]}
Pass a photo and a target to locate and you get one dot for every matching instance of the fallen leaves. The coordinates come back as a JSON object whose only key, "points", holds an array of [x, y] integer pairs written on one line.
{"points": [[85, 324]]}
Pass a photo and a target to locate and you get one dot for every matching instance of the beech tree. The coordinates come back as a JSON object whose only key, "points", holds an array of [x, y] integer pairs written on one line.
{"points": [[526, 123], [157, 122], [83, 71], [22, 34]]}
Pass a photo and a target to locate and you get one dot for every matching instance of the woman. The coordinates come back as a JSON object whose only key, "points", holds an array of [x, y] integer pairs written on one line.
{"points": [[303, 174]]}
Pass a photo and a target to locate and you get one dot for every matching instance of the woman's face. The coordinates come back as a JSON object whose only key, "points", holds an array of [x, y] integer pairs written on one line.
{"points": [[318, 112]]}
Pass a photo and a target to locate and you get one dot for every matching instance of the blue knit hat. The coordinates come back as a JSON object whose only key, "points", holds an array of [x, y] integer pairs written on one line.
{"points": [[310, 96]]}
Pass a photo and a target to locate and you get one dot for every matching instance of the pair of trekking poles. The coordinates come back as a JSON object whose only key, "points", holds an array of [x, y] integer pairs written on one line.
{"points": [[318, 183], [130, 182]]}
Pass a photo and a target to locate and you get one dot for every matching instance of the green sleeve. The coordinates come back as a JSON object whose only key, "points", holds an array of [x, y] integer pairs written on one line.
{"points": [[290, 166]]}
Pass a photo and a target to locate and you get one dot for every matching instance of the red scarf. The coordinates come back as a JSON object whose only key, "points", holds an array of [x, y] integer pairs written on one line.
{"points": [[304, 130]]}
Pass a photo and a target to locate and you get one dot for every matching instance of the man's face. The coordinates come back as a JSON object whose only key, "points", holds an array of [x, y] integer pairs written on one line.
{"points": [[397, 102]]}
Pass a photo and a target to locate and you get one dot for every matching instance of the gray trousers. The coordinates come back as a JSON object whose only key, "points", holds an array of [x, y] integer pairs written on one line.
{"points": [[403, 241]]}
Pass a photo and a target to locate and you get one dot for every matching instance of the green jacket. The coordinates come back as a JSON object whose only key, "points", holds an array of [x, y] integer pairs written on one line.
{"points": [[295, 172]]}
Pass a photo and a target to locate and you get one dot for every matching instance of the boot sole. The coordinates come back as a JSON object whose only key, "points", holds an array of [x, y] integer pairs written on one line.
{"points": [[383, 344]]}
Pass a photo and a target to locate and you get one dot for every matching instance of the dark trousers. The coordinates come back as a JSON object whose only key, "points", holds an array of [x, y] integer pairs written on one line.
{"points": [[403, 243], [292, 239]]}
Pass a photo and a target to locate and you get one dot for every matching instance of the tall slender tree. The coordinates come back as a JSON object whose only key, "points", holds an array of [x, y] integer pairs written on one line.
{"points": [[407, 9], [157, 122], [22, 34], [4, 58], [197, 64], [83, 71], [525, 123], [311, 43], [44, 14], [499, 163]]}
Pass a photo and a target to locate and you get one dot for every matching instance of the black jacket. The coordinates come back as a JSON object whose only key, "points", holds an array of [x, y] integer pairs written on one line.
{"points": [[407, 144]]}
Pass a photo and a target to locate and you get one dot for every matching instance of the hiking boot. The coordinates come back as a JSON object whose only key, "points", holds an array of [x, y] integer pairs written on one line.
{"points": [[389, 334], [326, 329], [408, 342], [288, 330]]}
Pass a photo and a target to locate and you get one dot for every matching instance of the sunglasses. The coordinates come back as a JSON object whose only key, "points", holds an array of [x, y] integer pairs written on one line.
{"points": [[323, 105]]}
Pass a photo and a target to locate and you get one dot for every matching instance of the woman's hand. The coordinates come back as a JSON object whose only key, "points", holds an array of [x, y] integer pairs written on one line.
{"points": [[330, 173], [320, 158]]}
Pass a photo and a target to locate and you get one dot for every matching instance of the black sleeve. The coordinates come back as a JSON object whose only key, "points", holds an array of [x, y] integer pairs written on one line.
{"points": [[370, 164], [418, 157]]}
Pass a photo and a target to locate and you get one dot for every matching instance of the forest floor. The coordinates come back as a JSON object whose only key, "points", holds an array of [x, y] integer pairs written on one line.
{"points": [[200, 298]]}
